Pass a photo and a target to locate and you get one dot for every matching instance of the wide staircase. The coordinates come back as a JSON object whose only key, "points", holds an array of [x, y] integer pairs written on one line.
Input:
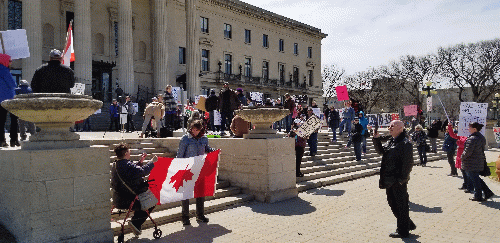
{"points": [[332, 164]]}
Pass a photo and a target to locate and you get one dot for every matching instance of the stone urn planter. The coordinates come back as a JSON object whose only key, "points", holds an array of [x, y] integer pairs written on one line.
{"points": [[262, 118], [54, 114]]}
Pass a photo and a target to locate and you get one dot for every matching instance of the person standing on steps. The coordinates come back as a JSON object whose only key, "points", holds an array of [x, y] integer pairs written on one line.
{"points": [[419, 138], [333, 122], [347, 117], [397, 163], [7, 92], [114, 116], [192, 144]]}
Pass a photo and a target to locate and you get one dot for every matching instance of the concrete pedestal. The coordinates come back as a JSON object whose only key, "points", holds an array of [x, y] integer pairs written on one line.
{"points": [[58, 195]]}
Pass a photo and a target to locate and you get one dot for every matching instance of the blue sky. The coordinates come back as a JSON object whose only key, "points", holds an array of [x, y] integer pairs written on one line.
{"points": [[370, 33]]}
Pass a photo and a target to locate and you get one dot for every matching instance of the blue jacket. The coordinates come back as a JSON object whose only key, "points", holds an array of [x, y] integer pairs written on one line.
{"points": [[114, 110], [364, 123], [191, 147], [7, 84], [23, 89], [348, 113]]}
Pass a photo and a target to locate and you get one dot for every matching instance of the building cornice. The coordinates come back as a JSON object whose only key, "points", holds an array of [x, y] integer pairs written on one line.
{"points": [[262, 14]]}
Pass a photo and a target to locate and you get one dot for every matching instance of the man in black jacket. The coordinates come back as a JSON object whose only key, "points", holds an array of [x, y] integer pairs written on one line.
{"points": [[397, 163], [53, 77]]}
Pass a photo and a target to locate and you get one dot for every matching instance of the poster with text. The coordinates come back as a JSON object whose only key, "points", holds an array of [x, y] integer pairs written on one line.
{"points": [[496, 131], [256, 96], [473, 109], [464, 121], [79, 88], [342, 93], [309, 127], [15, 43], [217, 118], [372, 119], [176, 93], [200, 103], [317, 112]]}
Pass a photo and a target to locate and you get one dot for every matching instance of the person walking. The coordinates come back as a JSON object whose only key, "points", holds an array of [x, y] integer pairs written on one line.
{"points": [[192, 144], [364, 134], [357, 138], [347, 117], [7, 92], [473, 159], [450, 147], [24, 88], [397, 163], [419, 138], [460, 149], [333, 122], [130, 113], [290, 105], [126, 174], [433, 133], [53, 77], [155, 111], [114, 116]]}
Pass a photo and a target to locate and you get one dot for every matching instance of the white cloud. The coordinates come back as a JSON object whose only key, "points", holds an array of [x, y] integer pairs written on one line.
{"points": [[364, 33]]}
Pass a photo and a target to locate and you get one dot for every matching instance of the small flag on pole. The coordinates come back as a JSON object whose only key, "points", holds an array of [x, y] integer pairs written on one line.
{"points": [[69, 51]]}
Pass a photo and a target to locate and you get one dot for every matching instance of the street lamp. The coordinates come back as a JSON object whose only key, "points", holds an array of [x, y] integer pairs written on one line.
{"points": [[428, 91], [496, 102]]}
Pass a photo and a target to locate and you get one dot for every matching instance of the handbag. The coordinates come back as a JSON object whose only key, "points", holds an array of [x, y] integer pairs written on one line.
{"points": [[147, 198], [486, 170]]}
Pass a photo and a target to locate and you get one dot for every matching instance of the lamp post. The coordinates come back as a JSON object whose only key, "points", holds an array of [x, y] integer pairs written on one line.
{"points": [[496, 102], [428, 91]]}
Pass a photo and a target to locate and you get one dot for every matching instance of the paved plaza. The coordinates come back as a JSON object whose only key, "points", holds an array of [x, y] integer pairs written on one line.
{"points": [[354, 211]]}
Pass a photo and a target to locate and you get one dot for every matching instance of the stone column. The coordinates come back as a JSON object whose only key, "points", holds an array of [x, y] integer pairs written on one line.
{"points": [[192, 43], [125, 47], [83, 45], [160, 45], [32, 23]]}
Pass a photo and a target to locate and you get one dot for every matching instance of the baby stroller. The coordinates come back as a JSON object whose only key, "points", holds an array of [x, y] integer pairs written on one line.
{"points": [[156, 234]]}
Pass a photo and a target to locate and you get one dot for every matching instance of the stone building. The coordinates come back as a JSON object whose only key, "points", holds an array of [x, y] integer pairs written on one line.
{"points": [[143, 45]]}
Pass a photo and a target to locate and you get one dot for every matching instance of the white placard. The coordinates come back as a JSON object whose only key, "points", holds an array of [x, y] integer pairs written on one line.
{"points": [[256, 96], [123, 119], [217, 118], [317, 112], [15, 43], [309, 127], [79, 88], [176, 93], [464, 121], [429, 104], [473, 109]]}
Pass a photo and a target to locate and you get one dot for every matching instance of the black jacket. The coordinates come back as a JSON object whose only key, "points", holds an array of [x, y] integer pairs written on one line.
{"points": [[397, 159], [53, 77], [132, 174], [212, 103], [356, 133]]}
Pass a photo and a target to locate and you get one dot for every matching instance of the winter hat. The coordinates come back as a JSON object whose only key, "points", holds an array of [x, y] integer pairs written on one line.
{"points": [[5, 59]]}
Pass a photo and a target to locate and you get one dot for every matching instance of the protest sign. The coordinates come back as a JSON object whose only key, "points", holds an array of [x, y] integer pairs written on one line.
{"points": [[496, 131], [411, 110], [309, 127], [317, 112], [372, 119], [342, 93], [300, 98], [197, 98], [188, 110], [217, 118], [471, 112], [15, 43], [79, 88], [176, 93], [256, 96], [200, 103], [382, 120]]}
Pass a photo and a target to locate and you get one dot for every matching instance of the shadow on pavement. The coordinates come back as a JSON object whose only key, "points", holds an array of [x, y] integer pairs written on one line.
{"points": [[423, 209], [326, 192], [412, 239], [490, 204], [295, 206], [202, 233], [6, 236]]}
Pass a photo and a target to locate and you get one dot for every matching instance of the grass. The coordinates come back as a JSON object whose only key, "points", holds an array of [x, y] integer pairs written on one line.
{"points": [[493, 168]]}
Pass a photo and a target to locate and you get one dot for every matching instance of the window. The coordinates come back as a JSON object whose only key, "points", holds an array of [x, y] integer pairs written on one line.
{"points": [[281, 70], [182, 55], [295, 49], [228, 64], [309, 52], [15, 15], [265, 41], [204, 24], [295, 75], [310, 76], [248, 67], [228, 31], [248, 36], [265, 70], [282, 45], [205, 57]]}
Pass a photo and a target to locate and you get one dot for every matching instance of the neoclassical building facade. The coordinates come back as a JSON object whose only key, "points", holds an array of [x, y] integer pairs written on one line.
{"points": [[140, 45]]}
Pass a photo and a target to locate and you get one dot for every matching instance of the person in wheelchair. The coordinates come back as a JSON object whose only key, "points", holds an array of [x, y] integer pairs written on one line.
{"points": [[125, 171]]}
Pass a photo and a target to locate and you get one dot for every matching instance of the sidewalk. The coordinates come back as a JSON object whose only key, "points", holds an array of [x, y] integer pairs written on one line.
{"points": [[355, 211]]}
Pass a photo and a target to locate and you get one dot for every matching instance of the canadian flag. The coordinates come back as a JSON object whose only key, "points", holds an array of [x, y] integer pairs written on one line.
{"points": [[69, 51], [179, 179]]}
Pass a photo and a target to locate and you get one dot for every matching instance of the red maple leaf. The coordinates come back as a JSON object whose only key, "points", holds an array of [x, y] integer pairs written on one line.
{"points": [[179, 178]]}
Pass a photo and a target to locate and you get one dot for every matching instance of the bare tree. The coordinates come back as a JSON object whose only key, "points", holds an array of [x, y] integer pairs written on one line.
{"points": [[476, 65], [332, 77]]}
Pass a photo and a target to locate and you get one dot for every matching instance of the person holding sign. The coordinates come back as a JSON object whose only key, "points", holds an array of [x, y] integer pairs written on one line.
{"points": [[53, 77], [7, 92], [348, 116]]}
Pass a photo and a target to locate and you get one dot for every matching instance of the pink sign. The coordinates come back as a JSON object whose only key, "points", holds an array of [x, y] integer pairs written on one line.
{"points": [[411, 110], [342, 93]]}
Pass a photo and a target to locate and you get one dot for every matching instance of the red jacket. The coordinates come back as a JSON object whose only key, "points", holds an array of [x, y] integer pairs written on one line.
{"points": [[460, 144]]}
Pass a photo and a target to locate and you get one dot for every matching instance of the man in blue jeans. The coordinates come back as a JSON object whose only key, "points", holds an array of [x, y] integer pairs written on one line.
{"points": [[348, 116]]}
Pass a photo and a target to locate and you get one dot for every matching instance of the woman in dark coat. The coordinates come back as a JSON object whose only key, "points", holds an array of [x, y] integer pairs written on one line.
{"points": [[473, 159], [419, 138], [333, 122]]}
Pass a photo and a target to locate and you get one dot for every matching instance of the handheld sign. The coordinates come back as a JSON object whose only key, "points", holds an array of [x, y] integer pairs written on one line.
{"points": [[309, 127], [411, 110], [15, 43], [342, 93]]}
